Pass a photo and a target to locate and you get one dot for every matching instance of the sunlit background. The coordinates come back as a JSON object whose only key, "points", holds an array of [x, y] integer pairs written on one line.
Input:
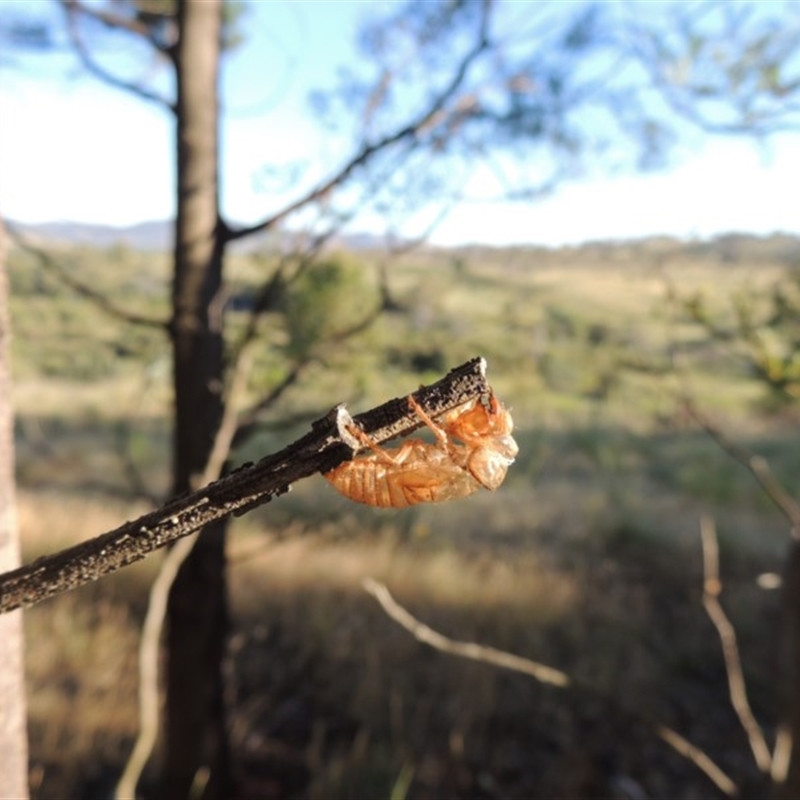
{"points": [[73, 149], [615, 358]]}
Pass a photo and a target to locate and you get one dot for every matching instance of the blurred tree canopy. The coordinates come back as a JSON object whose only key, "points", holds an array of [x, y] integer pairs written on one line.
{"points": [[521, 97], [326, 300], [461, 100]]}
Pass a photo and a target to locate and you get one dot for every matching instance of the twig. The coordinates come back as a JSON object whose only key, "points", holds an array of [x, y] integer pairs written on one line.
{"points": [[84, 290], [113, 21], [248, 420], [131, 469], [149, 651], [72, 8], [326, 446], [543, 674], [408, 132], [266, 300], [699, 758], [712, 588], [782, 754], [477, 652], [758, 467]]}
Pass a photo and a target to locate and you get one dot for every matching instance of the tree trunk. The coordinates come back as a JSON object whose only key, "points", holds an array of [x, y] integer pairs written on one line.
{"points": [[13, 727], [196, 750]]}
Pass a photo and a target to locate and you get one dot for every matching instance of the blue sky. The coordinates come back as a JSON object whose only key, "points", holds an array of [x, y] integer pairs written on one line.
{"points": [[74, 149]]}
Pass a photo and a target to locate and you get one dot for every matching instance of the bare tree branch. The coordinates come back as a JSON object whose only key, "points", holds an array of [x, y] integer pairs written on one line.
{"points": [[323, 448], [757, 465], [699, 758], [113, 21], [72, 9], [543, 674], [99, 299], [712, 588], [476, 652], [700, 67], [248, 420], [407, 132], [266, 299], [149, 653]]}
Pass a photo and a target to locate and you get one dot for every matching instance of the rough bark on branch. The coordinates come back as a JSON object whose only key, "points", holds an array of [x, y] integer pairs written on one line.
{"points": [[322, 449]]}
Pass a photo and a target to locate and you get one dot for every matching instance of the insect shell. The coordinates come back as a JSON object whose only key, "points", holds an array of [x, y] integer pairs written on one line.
{"points": [[473, 448]]}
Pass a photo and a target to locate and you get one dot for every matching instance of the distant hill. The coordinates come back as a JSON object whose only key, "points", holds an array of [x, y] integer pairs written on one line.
{"points": [[146, 236], [157, 236]]}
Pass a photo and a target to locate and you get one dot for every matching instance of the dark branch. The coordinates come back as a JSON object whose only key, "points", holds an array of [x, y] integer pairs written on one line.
{"points": [[72, 8], [407, 132], [322, 449], [716, 77], [98, 298], [268, 296], [248, 421], [737, 687], [757, 465], [114, 21]]}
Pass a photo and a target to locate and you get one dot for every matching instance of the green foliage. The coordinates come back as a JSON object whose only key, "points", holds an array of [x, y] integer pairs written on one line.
{"points": [[594, 531], [767, 325], [328, 299], [58, 334]]}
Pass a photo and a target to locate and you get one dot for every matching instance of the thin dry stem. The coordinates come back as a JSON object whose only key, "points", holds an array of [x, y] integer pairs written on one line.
{"points": [[712, 588], [699, 758], [757, 466], [73, 8], [782, 754], [543, 674], [149, 649], [99, 299], [477, 652]]}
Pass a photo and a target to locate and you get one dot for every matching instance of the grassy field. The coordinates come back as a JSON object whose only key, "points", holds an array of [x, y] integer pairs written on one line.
{"points": [[588, 557]]}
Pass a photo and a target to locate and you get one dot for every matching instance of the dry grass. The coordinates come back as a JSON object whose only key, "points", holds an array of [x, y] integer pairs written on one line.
{"points": [[587, 558], [331, 699]]}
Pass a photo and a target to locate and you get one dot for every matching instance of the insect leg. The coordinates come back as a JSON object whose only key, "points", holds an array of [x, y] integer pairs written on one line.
{"points": [[367, 441], [438, 430]]}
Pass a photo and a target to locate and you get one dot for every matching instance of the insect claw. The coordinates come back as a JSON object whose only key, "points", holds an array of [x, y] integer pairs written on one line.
{"points": [[344, 424]]}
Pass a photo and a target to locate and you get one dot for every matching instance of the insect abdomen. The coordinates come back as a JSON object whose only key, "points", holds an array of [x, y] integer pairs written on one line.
{"points": [[370, 481], [366, 482]]}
